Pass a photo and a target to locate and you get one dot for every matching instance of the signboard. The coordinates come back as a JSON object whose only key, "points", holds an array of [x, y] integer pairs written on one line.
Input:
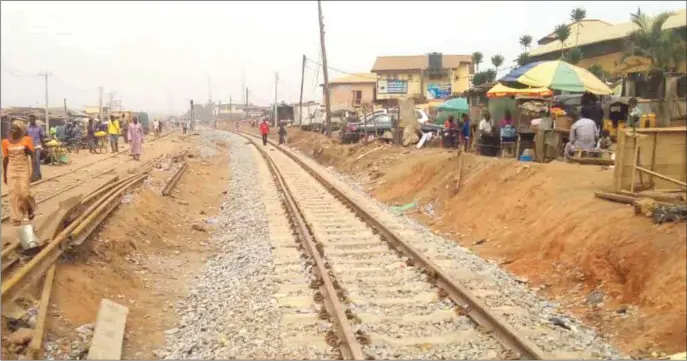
{"points": [[438, 91], [392, 87]]}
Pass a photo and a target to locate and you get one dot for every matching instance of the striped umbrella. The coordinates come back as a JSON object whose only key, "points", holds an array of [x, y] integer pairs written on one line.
{"points": [[557, 75]]}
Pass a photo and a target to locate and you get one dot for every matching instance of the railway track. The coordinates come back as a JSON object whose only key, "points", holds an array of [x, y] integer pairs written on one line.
{"points": [[387, 300]]}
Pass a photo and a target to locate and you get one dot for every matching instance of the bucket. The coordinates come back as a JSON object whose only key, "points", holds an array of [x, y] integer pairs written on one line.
{"points": [[526, 155], [29, 242]]}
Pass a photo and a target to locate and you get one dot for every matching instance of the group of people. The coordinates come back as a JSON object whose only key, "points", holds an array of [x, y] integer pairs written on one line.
{"points": [[265, 131]]}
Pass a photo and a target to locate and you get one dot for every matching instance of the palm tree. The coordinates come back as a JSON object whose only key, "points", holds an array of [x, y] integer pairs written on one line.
{"points": [[663, 47], [525, 41], [477, 59], [497, 61], [577, 15], [598, 71], [573, 56], [562, 33], [523, 59]]}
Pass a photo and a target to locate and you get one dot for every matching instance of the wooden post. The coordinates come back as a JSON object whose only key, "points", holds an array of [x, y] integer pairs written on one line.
{"points": [[653, 159], [634, 165], [327, 106]]}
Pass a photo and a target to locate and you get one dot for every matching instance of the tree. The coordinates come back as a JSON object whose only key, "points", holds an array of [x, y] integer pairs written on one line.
{"points": [[573, 56], [497, 61], [484, 77], [664, 48], [577, 15], [523, 59], [477, 59], [562, 33], [526, 41]]}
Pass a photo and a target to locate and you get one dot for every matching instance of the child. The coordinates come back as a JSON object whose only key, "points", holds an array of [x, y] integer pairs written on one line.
{"points": [[465, 131], [605, 140]]}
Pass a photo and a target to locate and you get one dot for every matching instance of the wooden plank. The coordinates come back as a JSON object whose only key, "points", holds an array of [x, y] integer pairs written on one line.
{"points": [[653, 158], [634, 166], [109, 331], [658, 175], [619, 160], [662, 130]]}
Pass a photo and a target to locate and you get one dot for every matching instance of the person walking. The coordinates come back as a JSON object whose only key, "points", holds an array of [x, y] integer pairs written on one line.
{"points": [[124, 124], [159, 127], [113, 131], [282, 134], [264, 131], [16, 151], [90, 136], [184, 126], [156, 127], [37, 135], [136, 138]]}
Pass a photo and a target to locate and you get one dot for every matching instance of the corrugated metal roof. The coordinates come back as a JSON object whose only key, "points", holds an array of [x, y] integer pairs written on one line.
{"points": [[412, 62], [358, 78], [592, 32]]}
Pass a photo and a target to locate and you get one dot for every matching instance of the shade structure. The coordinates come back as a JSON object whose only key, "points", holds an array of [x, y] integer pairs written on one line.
{"points": [[558, 75], [455, 104], [500, 90]]}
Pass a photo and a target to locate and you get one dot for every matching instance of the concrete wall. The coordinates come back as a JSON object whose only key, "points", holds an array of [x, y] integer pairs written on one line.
{"points": [[341, 95]]}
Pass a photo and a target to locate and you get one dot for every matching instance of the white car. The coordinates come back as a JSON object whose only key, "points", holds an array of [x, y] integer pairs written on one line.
{"points": [[422, 117]]}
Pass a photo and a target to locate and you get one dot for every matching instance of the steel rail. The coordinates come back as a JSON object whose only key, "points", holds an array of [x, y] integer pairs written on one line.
{"points": [[76, 232], [350, 347], [173, 181], [471, 306]]}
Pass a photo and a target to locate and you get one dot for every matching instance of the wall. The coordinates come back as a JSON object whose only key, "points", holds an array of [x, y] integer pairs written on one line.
{"points": [[660, 150], [411, 76], [341, 95]]}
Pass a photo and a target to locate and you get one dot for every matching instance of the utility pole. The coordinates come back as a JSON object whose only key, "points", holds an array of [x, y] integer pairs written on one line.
{"points": [[276, 81], [243, 86], [192, 117], [230, 107], [45, 76], [324, 70], [300, 103], [110, 103], [246, 96], [100, 104], [66, 113]]}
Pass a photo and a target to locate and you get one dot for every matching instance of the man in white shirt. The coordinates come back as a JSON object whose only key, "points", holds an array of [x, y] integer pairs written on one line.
{"points": [[487, 142], [486, 125], [583, 133], [635, 113]]}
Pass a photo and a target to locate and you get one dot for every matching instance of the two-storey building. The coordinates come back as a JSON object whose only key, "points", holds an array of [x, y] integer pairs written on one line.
{"points": [[422, 77]]}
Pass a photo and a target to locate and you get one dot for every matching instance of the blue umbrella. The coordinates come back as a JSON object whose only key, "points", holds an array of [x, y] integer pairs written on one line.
{"points": [[455, 104]]}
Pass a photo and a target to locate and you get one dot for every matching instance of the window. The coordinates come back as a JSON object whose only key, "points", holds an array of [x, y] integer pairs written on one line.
{"points": [[418, 114], [357, 97]]}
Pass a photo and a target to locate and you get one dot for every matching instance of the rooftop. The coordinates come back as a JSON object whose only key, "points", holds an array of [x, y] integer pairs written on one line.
{"points": [[359, 78], [596, 31], [413, 62]]}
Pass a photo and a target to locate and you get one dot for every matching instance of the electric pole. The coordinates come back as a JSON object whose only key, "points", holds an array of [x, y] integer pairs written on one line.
{"points": [[246, 96], [243, 86], [66, 113], [276, 81], [45, 76], [327, 106], [230, 105], [100, 104], [300, 103]]}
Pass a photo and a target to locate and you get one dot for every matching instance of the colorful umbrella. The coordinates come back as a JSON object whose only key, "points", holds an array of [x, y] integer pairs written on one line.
{"points": [[500, 90], [558, 75]]}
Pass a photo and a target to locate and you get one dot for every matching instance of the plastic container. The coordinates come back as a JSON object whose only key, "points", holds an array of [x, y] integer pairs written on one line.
{"points": [[526, 155], [28, 241]]}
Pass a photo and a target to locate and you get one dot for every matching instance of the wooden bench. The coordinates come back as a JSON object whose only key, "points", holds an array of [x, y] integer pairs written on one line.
{"points": [[592, 156]]}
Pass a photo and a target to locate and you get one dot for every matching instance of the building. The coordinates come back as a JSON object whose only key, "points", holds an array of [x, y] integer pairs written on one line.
{"points": [[422, 77], [234, 110], [352, 91], [603, 44]]}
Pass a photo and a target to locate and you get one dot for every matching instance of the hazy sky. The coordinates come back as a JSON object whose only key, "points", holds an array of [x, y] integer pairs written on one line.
{"points": [[155, 56]]}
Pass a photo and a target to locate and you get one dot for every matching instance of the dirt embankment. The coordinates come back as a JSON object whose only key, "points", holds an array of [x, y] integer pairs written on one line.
{"points": [[144, 257], [543, 223]]}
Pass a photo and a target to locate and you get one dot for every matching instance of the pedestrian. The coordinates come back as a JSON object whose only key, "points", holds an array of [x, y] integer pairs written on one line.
{"points": [[113, 131], [136, 138], [264, 131], [184, 126], [16, 151], [282, 133], [236, 125], [156, 127], [37, 135], [159, 127], [465, 131], [124, 124], [90, 135]]}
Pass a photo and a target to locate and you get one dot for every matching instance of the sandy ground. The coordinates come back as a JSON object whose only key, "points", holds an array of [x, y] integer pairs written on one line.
{"points": [[542, 223], [143, 257]]}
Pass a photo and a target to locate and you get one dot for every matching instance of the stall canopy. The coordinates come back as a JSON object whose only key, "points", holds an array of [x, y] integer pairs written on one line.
{"points": [[500, 90], [557, 75], [455, 104]]}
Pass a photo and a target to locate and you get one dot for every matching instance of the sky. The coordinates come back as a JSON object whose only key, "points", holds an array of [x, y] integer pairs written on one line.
{"points": [[156, 56]]}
